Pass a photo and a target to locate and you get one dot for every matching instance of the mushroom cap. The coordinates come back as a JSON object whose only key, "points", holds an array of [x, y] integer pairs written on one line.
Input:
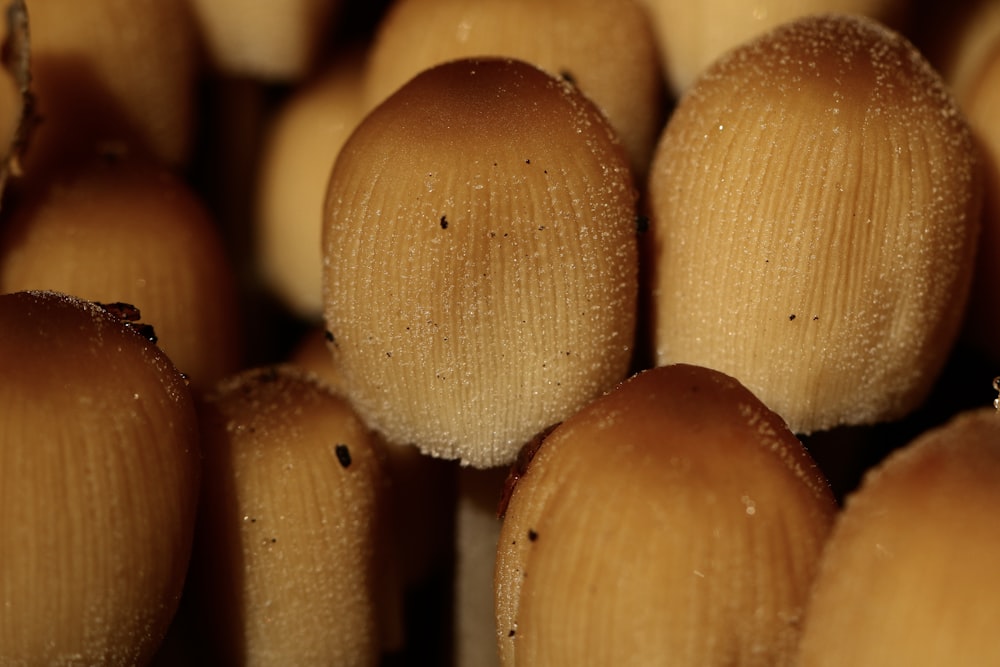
{"points": [[815, 208], [604, 47], [300, 145], [674, 520], [981, 103], [110, 71], [693, 35], [480, 258], [119, 227], [254, 40], [909, 576], [99, 473], [290, 560]]}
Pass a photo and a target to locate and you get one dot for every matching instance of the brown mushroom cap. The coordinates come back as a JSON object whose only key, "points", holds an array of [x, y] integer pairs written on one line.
{"points": [[480, 259], [121, 228], [108, 71], [289, 563], [99, 468], [909, 574], [423, 488], [815, 207], [675, 520], [604, 47]]}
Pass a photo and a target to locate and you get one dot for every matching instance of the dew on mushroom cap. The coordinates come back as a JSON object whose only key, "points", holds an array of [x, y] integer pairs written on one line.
{"points": [[692, 35], [821, 171], [469, 338]]}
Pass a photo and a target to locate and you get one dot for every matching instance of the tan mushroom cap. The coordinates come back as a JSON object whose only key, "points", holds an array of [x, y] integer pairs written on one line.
{"points": [[423, 488], [260, 40], [675, 520], [605, 47], [815, 206], [99, 470], [981, 103], [480, 259], [692, 35], [300, 145], [122, 228], [108, 71], [909, 574], [290, 557]]}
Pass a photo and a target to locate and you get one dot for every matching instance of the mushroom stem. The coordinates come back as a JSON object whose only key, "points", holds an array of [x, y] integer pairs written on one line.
{"points": [[477, 531], [17, 108]]}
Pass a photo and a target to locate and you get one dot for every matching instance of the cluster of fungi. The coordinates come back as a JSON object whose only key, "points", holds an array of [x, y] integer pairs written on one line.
{"points": [[499, 332]]}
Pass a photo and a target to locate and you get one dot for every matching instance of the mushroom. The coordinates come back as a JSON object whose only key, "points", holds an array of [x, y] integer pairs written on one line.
{"points": [[480, 275], [261, 40], [122, 228], [909, 574], [290, 560], [111, 71], [815, 207], [99, 469], [673, 521], [606, 48], [477, 533], [480, 261], [300, 144], [692, 35]]}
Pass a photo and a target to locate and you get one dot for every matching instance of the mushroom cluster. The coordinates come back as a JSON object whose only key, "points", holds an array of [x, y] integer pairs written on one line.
{"points": [[499, 332]]}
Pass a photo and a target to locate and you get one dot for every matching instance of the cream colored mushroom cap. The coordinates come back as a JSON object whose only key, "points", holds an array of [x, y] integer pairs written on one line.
{"points": [[480, 259], [815, 201]]}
